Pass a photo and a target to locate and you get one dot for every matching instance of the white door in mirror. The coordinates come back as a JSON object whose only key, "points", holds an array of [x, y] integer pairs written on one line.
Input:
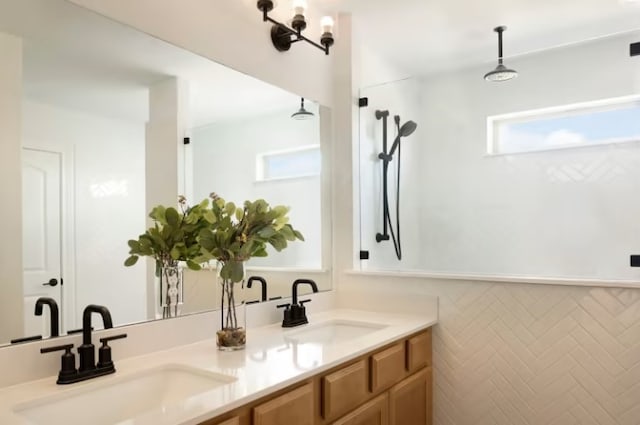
{"points": [[41, 193]]}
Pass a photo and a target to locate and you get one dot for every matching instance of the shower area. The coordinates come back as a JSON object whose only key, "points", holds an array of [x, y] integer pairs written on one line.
{"points": [[536, 177]]}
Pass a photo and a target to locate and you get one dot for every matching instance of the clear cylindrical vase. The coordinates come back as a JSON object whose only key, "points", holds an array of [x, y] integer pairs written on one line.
{"points": [[232, 334]]}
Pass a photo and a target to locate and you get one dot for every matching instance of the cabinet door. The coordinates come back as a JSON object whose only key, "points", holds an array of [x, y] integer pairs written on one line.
{"points": [[294, 407], [410, 401], [375, 412]]}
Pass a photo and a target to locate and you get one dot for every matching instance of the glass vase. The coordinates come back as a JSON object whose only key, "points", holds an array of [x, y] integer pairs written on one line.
{"points": [[171, 290], [232, 335]]}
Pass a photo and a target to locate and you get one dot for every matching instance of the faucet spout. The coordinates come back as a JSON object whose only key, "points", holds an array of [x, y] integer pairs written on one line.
{"points": [[53, 310], [296, 283], [86, 320], [263, 284]]}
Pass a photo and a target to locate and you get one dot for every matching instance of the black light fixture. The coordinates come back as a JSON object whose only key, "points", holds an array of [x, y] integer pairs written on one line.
{"points": [[501, 72], [282, 36], [302, 114]]}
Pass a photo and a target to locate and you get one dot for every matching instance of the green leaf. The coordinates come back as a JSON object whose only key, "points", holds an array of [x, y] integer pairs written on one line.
{"points": [[193, 265], [131, 261], [172, 217], [298, 235]]}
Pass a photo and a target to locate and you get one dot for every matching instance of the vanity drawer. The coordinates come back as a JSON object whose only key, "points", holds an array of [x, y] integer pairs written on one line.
{"points": [[388, 367], [294, 407], [419, 351], [344, 389]]}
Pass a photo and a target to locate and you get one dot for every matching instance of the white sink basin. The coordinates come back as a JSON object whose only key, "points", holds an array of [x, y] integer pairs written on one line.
{"points": [[332, 331], [122, 399]]}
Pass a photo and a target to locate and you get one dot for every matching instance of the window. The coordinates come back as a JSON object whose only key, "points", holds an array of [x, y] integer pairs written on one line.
{"points": [[289, 164], [585, 124]]}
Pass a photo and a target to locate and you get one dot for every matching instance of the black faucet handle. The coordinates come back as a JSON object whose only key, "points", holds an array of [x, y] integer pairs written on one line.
{"points": [[106, 339], [303, 302], [104, 353], [66, 347], [67, 362], [285, 306]]}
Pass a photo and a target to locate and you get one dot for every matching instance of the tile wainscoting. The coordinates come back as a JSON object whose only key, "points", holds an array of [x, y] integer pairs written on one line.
{"points": [[526, 354]]}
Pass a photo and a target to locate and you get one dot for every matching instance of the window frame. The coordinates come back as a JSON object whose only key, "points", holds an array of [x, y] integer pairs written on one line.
{"points": [[495, 121], [262, 158]]}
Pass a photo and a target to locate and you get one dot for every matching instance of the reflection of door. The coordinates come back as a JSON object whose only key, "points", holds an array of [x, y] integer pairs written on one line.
{"points": [[41, 194]]}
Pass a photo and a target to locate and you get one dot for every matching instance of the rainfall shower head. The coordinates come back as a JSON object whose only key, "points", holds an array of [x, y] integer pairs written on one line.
{"points": [[501, 72]]}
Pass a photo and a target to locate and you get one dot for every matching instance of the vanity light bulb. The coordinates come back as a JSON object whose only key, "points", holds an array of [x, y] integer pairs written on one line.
{"points": [[299, 7], [326, 23]]}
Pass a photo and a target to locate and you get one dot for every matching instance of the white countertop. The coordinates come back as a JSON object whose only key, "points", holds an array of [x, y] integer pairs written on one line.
{"points": [[270, 362]]}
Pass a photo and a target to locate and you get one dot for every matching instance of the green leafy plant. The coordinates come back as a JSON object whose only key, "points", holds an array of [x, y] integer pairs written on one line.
{"points": [[173, 236], [237, 234]]}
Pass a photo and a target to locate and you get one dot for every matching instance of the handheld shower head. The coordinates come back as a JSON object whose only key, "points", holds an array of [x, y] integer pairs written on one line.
{"points": [[406, 130]]}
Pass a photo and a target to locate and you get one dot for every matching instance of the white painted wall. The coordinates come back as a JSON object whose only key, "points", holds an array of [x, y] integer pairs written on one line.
{"points": [[224, 161], [105, 187], [10, 188], [569, 213]]}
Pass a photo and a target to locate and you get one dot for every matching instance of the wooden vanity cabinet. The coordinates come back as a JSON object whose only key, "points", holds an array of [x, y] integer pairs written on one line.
{"points": [[389, 386]]}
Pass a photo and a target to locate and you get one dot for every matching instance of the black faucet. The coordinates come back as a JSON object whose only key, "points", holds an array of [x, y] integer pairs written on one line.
{"points": [[294, 289], [295, 313], [86, 351], [263, 284], [88, 368], [55, 314]]}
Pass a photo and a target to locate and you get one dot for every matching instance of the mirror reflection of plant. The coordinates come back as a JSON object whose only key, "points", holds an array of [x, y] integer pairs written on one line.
{"points": [[173, 236], [237, 234]]}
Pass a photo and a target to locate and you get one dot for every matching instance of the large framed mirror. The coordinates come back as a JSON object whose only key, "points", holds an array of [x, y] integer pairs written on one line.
{"points": [[99, 103]]}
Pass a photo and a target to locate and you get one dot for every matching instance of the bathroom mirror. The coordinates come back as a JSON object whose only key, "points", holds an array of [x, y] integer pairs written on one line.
{"points": [[92, 107], [531, 179]]}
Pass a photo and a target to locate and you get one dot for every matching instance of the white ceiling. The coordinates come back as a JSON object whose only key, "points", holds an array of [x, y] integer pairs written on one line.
{"points": [[423, 36], [80, 60]]}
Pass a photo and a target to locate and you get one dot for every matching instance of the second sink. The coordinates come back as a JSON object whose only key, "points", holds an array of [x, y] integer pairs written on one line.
{"points": [[332, 331]]}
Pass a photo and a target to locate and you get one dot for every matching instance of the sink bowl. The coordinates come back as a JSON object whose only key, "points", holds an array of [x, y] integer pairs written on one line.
{"points": [[123, 398], [332, 331]]}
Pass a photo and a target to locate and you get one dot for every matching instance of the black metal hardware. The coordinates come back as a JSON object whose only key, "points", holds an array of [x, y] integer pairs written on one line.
{"points": [[76, 331], [634, 49], [68, 372], [26, 339], [364, 255], [186, 141], [363, 102], [263, 283], [295, 313], [104, 352], [88, 368], [281, 35], [294, 288], [275, 298], [52, 282], [634, 261], [53, 310]]}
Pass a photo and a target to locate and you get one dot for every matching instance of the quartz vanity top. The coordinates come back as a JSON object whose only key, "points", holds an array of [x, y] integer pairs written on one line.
{"points": [[274, 358]]}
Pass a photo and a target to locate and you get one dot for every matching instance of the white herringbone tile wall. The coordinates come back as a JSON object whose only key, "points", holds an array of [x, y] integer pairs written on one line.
{"points": [[510, 354]]}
